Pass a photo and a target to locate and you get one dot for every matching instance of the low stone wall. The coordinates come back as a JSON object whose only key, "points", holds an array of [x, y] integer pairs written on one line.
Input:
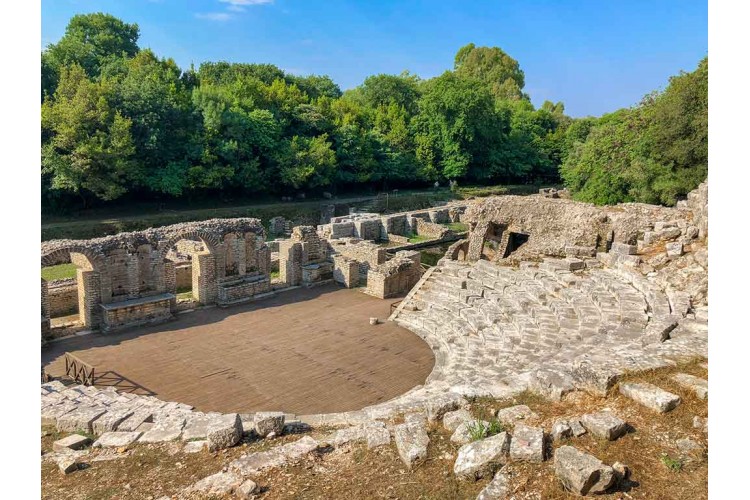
{"points": [[395, 277], [397, 238], [242, 290], [365, 253], [345, 271], [183, 273], [63, 297], [137, 312], [431, 229]]}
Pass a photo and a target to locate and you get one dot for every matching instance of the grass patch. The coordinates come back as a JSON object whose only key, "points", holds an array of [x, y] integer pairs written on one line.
{"points": [[275, 275], [417, 238], [673, 464], [185, 295], [480, 429], [457, 227], [59, 272]]}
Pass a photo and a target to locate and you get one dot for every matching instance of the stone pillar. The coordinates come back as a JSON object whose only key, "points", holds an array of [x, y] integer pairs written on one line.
{"points": [[476, 241], [251, 261], [170, 277], [290, 262], [45, 311], [263, 259], [89, 297], [204, 278]]}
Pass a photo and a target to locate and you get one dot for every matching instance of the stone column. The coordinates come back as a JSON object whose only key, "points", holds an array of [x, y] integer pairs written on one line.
{"points": [[89, 297], [476, 241], [169, 276], [45, 311], [204, 278]]}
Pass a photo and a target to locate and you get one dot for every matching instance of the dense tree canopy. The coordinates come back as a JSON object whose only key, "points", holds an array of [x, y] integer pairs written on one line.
{"points": [[119, 121], [655, 152]]}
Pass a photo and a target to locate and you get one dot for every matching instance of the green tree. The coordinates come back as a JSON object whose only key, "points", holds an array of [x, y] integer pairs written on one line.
{"points": [[308, 162], [88, 148], [493, 67]]}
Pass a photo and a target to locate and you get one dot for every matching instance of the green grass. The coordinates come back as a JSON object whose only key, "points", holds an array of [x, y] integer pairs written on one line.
{"points": [[457, 227], [59, 272], [416, 238], [185, 295], [673, 464], [275, 275], [479, 430]]}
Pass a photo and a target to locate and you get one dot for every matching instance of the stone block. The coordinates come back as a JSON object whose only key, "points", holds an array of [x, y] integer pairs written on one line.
{"points": [[527, 444], [376, 434], [604, 425], [452, 419], [650, 396], [219, 484], [67, 464], [267, 422], [698, 385], [561, 430], [111, 420], [438, 406], [195, 446], [497, 489], [623, 248], [481, 458], [581, 473], [674, 249], [224, 431], [72, 442], [512, 414], [117, 439], [81, 419], [411, 443], [597, 380], [167, 429]]}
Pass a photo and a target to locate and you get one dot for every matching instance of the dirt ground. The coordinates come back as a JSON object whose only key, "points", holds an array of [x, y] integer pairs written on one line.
{"points": [[353, 472], [316, 354]]}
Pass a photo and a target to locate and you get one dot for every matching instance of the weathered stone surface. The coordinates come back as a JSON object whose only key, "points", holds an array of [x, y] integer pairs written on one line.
{"points": [[604, 425], [196, 427], [224, 431], [253, 463], [347, 435], [418, 418], [439, 406], [376, 434], [576, 427], [116, 439], [267, 422], [67, 464], [221, 483], [698, 385], [111, 420], [72, 442], [623, 248], [80, 419], [582, 473], [497, 489], [453, 419], [167, 429], [480, 458], [411, 442], [246, 490], [513, 414], [132, 423], [700, 423], [674, 249], [650, 396], [561, 430], [527, 444], [597, 380], [195, 446], [552, 384]]}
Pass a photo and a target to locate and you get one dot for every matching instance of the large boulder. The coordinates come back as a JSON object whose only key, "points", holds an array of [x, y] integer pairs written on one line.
{"points": [[480, 458], [581, 473]]}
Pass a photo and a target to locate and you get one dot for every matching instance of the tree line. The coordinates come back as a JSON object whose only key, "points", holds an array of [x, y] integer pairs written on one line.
{"points": [[118, 122]]}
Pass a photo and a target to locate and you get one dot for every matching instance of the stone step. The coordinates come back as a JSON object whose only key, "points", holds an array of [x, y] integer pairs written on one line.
{"points": [[650, 396]]}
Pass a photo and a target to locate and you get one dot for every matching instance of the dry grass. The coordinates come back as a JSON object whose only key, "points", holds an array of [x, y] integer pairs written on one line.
{"points": [[353, 472]]}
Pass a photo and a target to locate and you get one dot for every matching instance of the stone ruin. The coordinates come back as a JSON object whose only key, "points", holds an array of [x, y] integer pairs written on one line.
{"points": [[544, 295], [131, 278]]}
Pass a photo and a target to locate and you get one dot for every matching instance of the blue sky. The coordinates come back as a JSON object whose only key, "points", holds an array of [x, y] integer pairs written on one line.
{"points": [[595, 56]]}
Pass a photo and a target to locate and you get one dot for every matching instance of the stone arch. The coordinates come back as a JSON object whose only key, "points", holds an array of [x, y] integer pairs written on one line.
{"points": [[204, 265], [88, 278]]}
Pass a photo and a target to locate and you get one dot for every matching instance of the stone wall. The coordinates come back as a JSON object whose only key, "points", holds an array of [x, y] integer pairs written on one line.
{"points": [[395, 277], [431, 229], [183, 274], [63, 297], [115, 270], [345, 271], [365, 253]]}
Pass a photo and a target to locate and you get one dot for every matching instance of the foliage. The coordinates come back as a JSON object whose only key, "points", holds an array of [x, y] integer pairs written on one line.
{"points": [[655, 152], [673, 464], [118, 122], [480, 429]]}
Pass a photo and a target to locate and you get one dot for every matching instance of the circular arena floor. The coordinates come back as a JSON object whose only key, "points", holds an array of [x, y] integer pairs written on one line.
{"points": [[304, 351]]}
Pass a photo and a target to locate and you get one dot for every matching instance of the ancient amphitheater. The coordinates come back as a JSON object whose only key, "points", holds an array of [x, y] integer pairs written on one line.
{"points": [[541, 295]]}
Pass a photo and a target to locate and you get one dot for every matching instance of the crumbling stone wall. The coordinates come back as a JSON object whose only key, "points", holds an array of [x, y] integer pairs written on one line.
{"points": [[63, 297], [395, 277], [132, 271], [365, 253], [431, 229], [345, 271], [554, 224]]}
